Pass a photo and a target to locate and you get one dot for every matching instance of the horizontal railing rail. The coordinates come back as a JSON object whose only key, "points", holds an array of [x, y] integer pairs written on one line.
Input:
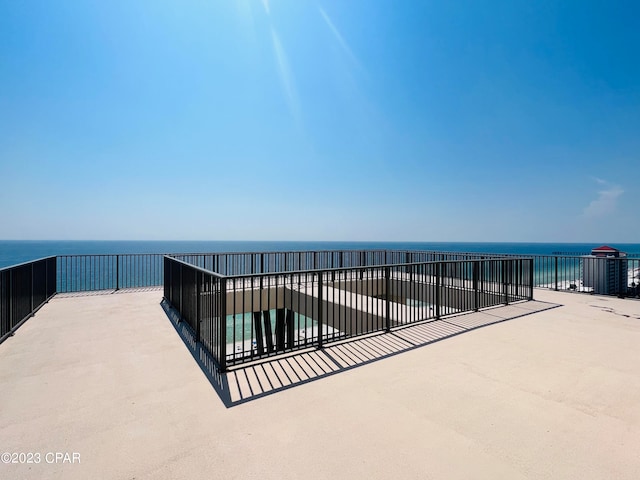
{"points": [[247, 317], [244, 263], [24, 288]]}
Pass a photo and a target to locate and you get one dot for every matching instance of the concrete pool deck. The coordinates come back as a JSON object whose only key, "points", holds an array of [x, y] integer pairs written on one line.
{"points": [[554, 392]]}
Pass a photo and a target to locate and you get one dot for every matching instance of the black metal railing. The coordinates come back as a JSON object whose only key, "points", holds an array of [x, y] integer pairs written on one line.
{"points": [[80, 273], [589, 274], [24, 289], [246, 317], [245, 263], [83, 273], [571, 273], [199, 296]]}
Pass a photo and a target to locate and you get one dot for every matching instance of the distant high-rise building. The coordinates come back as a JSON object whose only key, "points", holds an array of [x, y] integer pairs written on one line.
{"points": [[605, 270]]}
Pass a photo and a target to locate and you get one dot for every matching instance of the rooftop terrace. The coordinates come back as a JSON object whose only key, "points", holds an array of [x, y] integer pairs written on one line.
{"points": [[546, 388], [551, 391]]}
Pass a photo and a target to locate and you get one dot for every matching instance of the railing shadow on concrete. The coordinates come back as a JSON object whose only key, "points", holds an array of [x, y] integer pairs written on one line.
{"points": [[251, 382]]}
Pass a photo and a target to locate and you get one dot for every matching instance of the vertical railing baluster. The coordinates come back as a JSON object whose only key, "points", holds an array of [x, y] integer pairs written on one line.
{"points": [[198, 288], [180, 303], [10, 300], [531, 267], [438, 272], [476, 293], [31, 293], [320, 308], [222, 325], [504, 281], [387, 296]]}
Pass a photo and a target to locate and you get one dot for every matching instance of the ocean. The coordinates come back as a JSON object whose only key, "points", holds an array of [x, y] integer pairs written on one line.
{"points": [[17, 251]]}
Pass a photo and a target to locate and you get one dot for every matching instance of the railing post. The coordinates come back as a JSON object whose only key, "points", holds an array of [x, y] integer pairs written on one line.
{"points": [[46, 280], [387, 296], [556, 262], [31, 299], [531, 267], [476, 293], [180, 300], [505, 265], [117, 272], [54, 275], [198, 287], [222, 334], [10, 301], [438, 272], [411, 267], [320, 308], [407, 261], [166, 276]]}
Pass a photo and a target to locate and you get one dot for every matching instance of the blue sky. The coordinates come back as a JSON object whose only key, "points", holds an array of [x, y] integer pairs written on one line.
{"points": [[320, 120]]}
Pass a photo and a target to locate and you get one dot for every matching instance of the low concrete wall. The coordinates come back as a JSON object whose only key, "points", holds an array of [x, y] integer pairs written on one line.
{"points": [[341, 310], [255, 300], [350, 305], [458, 295]]}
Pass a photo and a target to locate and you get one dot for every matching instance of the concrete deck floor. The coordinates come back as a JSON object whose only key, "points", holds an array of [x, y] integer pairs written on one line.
{"points": [[552, 394]]}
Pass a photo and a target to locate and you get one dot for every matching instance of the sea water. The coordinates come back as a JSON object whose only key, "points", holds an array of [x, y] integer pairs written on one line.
{"points": [[13, 252]]}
